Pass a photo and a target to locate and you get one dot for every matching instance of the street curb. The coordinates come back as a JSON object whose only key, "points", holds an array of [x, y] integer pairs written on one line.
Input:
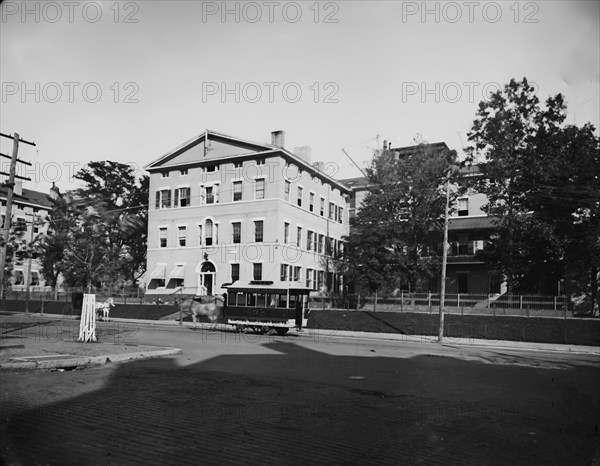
{"points": [[86, 360], [329, 335]]}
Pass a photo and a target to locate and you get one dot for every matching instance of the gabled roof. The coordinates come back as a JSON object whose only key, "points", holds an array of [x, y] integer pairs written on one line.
{"points": [[195, 151], [244, 146], [30, 197]]}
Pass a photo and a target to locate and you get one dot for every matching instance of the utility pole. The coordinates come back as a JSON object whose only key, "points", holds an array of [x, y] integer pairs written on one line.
{"points": [[444, 261], [9, 201], [28, 278]]}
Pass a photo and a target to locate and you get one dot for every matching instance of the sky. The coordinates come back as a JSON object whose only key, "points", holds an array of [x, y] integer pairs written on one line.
{"points": [[130, 81]]}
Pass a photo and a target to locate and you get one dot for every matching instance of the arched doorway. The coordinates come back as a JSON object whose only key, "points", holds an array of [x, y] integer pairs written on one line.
{"points": [[206, 278]]}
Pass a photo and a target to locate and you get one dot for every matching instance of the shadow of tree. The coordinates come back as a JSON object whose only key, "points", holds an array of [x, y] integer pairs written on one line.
{"points": [[433, 410]]}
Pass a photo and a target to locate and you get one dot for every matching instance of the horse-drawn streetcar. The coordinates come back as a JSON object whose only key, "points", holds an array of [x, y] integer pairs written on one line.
{"points": [[266, 305], [261, 306]]}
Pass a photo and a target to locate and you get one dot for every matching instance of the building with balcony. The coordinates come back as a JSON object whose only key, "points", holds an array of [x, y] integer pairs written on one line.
{"points": [[224, 209]]}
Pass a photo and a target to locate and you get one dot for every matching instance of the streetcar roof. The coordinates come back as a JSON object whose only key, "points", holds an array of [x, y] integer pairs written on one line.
{"points": [[268, 287]]}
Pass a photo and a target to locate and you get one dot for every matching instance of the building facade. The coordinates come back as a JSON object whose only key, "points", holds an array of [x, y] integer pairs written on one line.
{"points": [[224, 209], [30, 212]]}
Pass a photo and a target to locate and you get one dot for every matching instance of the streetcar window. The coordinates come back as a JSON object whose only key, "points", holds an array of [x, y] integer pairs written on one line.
{"points": [[292, 303], [241, 299], [262, 300], [272, 300], [231, 299], [251, 299]]}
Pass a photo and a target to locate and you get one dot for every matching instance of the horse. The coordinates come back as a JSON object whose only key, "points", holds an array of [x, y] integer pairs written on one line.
{"points": [[213, 309], [105, 308]]}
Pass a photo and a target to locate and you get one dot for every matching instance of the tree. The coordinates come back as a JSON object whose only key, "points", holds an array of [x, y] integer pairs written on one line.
{"points": [[541, 180], [120, 199], [399, 227]]}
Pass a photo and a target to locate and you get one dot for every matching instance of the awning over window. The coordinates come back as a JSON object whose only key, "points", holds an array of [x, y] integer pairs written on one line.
{"points": [[177, 272], [159, 271]]}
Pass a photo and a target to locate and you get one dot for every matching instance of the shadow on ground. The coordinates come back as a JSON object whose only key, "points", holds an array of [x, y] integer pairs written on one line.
{"points": [[439, 410]]}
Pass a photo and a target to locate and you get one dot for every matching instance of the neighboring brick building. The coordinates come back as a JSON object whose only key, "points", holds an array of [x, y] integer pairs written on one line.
{"points": [[224, 209], [31, 209], [469, 231]]}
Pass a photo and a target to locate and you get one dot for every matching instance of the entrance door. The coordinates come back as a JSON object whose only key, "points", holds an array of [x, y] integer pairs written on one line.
{"points": [[207, 278]]}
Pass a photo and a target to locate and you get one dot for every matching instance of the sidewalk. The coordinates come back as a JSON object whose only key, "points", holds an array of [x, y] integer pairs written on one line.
{"points": [[24, 346], [27, 349]]}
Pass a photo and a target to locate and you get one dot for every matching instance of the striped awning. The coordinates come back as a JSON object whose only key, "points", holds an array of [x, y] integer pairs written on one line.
{"points": [[159, 271], [177, 272]]}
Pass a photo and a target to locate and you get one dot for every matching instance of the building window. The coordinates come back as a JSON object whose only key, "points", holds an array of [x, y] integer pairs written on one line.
{"points": [[331, 209], [182, 197], [320, 244], [463, 207], [183, 172], [258, 231], [341, 215], [163, 199], [257, 271], [162, 237], [322, 212], [19, 277], [311, 202], [237, 232], [212, 194], [237, 190], [164, 174], [287, 191], [320, 279], [181, 235], [208, 233], [286, 232], [309, 240], [296, 274], [462, 282], [300, 196], [235, 272], [299, 237], [259, 188], [284, 273], [309, 278], [35, 279], [199, 235]]}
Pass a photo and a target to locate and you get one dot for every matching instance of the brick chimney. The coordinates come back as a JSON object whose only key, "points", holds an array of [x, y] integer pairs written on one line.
{"points": [[278, 138]]}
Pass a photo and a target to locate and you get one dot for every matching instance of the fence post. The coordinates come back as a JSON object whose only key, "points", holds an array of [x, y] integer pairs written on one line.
{"points": [[521, 301], [401, 300], [555, 303], [458, 300]]}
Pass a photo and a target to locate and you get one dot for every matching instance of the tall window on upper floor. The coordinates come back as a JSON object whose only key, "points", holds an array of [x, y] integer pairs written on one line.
{"points": [[331, 210], [237, 190], [309, 240], [259, 188], [286, 232], [258, 231], [212, 194], [237, 232], [300, 192], [340, 214], [235, 272], [199, 235], [322, 210], [299, 237], [162, 237], [208, 233], [182, 235], [163, 199], [311, 202], [257, 271], [286, 194], [182, 197], [463, 207]]}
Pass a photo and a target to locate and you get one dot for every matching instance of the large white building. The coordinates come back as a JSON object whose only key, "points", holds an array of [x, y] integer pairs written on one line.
{"points": [[224, 209]]}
